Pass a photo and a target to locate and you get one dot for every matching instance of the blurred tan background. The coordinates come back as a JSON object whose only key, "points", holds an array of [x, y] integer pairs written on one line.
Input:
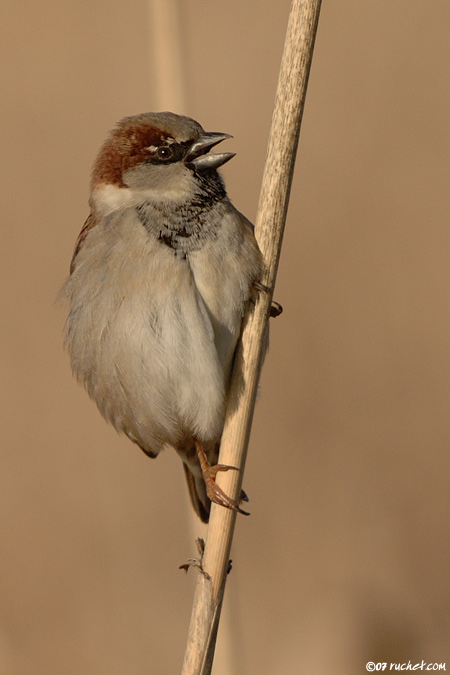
{"points": [[346, 556]]}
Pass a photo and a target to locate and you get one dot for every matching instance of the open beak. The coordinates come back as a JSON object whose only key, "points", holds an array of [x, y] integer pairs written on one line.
{"points": [[197, 156]]}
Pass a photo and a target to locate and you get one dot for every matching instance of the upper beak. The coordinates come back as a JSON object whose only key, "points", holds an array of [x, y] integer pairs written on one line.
{"points": [[197, 156]]}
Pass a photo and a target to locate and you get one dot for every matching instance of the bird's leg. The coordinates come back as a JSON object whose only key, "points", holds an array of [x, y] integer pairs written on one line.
{"points": [[214, 492]]}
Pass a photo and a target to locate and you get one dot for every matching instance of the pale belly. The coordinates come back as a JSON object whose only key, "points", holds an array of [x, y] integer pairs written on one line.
{"points": [[156, 364], [152, 336]]}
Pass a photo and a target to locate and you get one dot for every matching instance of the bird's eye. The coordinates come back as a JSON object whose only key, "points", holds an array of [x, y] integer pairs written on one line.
{"points": [[164, 152]]}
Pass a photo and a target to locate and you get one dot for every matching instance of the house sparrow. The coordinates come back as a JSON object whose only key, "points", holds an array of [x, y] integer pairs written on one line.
{"points": [[160, 279]]}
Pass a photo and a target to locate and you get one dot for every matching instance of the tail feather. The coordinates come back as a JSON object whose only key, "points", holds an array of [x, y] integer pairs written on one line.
{"points": [[197, 493]]}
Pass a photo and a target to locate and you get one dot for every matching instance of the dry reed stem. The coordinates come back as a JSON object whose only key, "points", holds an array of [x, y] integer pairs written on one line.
{"points": [[269, 227], [167, 57]]}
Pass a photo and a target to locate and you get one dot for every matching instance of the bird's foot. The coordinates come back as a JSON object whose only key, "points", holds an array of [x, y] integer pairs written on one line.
{"points": [[214, 492], [275, 308]]}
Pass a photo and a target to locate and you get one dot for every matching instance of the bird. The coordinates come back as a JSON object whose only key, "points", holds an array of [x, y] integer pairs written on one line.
{"points": [[161, 277]]}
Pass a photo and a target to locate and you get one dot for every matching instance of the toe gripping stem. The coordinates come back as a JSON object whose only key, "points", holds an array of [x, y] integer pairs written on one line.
{"points": [[214, 492]]}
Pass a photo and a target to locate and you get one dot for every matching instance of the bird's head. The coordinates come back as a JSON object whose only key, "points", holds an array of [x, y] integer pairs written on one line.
{"points": [[162, 157]]}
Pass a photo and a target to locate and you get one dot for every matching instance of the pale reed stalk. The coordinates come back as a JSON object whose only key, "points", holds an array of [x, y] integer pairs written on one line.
{"points": [[269, 227]]}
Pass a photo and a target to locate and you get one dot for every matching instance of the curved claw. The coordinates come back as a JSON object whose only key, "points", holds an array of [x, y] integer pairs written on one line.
{"points": [[220, 467], [218, 496], [275, 309], [243, 496]]}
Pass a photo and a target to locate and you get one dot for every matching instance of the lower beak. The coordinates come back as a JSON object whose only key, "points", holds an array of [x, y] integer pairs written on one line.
{"points": [[197, 156]]}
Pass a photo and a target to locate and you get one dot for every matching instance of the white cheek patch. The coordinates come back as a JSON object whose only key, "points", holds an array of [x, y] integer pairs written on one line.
{"points": [[108, 198]]}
